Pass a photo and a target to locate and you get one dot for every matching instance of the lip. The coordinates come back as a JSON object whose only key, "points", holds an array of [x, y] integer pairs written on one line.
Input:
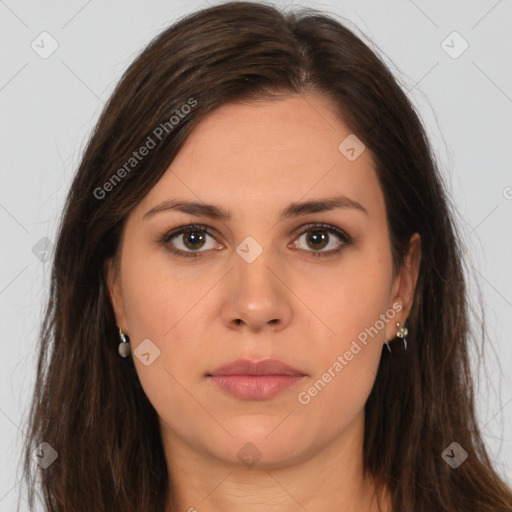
{"points": [[255, 380], [264, 367]]}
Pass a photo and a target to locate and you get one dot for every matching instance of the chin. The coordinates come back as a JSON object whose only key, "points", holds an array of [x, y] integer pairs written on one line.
{"points": [[257, 443]]}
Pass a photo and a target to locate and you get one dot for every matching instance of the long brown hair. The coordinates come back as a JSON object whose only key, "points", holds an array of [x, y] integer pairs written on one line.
{"points": [[88, 404]]}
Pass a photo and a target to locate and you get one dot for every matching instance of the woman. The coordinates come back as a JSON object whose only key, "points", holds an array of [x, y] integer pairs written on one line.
{"points": [[258, 299]]}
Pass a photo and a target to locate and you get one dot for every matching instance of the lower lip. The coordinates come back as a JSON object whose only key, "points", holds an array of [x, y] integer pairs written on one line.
{"points": [[255, 387]]}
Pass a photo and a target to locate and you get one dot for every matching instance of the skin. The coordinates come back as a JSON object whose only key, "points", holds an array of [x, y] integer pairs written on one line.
{"points": [[254, 159]]}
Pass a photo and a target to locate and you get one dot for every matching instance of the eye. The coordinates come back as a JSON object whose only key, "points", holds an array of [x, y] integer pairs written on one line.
{"points": [[319, 237], [191, 240]]}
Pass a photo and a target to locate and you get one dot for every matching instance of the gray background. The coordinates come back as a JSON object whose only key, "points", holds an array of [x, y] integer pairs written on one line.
{"points": [[49, 106]]}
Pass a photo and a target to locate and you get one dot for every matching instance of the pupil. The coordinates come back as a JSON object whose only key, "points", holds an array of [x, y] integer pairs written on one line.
{"points": [[317, 238], [195, 237]]}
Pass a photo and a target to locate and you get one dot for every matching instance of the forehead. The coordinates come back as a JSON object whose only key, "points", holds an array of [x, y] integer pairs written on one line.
{"points": [[269, 153]]}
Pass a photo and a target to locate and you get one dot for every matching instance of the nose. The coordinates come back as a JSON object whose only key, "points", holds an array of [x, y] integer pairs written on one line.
{"points": [[256, 296]]}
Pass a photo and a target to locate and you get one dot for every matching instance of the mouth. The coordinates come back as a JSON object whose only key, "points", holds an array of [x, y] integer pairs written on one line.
{"points": [[255, 380]]}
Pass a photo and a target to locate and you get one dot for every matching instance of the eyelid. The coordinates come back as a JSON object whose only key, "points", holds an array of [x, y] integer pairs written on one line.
{"points": [[168, 235]]}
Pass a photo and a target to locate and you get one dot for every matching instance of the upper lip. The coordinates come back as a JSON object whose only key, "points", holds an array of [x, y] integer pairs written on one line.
{"points": [[248, 367]]}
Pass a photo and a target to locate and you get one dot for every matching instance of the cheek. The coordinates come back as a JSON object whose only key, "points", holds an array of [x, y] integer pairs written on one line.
{"points": [[356, 308], [156, 297], [162, 306], [346, 364], [168, 307], [147, 309], [355, 297]]}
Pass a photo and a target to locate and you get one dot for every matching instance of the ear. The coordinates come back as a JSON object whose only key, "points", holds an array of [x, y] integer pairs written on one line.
{"points": [[404, 286], [114, 291]]}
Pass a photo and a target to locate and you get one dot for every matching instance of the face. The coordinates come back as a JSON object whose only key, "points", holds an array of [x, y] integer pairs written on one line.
{"points": [[312, 288]]}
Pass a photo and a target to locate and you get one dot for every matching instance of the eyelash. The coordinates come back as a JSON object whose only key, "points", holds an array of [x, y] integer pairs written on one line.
{"points": [[166, 237]]}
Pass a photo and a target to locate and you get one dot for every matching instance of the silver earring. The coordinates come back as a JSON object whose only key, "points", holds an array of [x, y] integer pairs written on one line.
{"points": [[400, 333], [124, 347]]}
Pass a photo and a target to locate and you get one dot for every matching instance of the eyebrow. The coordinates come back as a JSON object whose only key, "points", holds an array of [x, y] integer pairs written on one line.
{"points": [[292, 210]]}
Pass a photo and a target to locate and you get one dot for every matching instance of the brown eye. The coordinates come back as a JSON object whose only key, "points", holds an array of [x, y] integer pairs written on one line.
{"points": [[193, 239], [189, 241], [319, 237]]}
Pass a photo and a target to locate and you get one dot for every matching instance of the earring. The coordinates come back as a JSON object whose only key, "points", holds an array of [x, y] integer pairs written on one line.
{"points": [[400, 333], [124, 347]]}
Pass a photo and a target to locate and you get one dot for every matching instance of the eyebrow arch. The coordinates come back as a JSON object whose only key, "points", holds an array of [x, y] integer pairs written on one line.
{"points": [[292, 210]]}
